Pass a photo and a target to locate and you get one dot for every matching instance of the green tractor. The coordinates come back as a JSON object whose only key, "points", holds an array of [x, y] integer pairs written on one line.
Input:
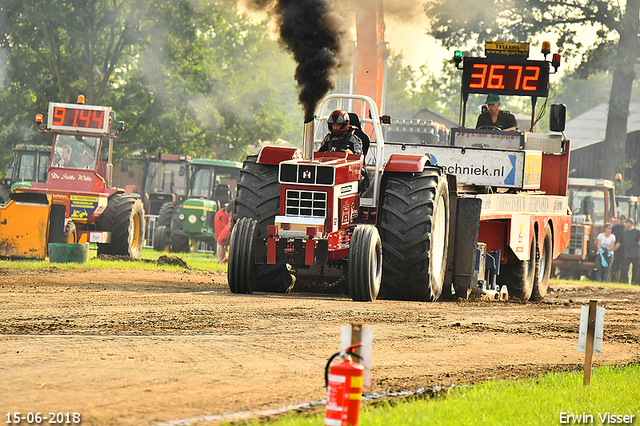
{"points": [[30, 164], [181, 227]]}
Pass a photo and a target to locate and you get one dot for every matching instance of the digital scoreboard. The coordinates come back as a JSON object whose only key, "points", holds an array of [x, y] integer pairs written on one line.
{"points": [[505, 76], [78, 117]]}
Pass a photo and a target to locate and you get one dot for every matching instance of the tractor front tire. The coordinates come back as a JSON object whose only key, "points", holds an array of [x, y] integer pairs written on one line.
{"points": [[124, 218], [365, 264], [414, 227], [242, 268], [258, 198], [161, 238]]}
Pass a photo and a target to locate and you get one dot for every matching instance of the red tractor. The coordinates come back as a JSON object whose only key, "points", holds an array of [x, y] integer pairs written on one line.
{"points": [[310, 219], [80, 179]]}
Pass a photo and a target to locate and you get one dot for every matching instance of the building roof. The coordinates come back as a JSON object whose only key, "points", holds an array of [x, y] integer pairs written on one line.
{"points": [[590, 127]]}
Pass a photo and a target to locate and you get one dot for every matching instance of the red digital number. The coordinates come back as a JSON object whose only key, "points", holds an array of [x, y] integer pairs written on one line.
{"points": [[482, 75], [531, 78], [495, 79], [517, 68], [58, 116], [85, 117], [98, 118], [75, 118]]}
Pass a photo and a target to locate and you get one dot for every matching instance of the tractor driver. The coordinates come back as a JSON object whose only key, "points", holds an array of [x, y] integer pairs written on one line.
{"points": [[492, 117], [66, 160], [341, 137]]}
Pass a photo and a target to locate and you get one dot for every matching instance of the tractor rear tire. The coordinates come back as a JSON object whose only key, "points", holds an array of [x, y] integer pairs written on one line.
{"points": [[519, 277], [161, 238], [165, 215], [258, 198], [365, 264], [124, 218], [70, 233], [541, 284], [242, 267], [180, 243], [414, 226]]}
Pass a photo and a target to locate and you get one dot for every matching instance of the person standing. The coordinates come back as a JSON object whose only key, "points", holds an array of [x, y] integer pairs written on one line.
{"points": [[222, 222], [605, 242], [618, 229], [631, 245]]}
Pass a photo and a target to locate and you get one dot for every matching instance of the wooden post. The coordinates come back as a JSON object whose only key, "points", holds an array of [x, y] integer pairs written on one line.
{"points": [[356, 337], [588, 352]]}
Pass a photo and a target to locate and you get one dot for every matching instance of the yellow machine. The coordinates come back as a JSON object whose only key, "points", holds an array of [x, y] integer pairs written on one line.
{"points": [[25, 225]]}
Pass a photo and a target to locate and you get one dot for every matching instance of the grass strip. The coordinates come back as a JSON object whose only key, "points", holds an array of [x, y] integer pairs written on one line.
{"points": [[551, 399]]}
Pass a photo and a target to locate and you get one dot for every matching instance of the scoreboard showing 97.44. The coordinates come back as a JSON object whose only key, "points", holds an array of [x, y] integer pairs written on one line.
{"points": [[78, 117]]}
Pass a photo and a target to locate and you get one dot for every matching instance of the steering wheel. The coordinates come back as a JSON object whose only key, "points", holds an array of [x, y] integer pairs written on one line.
{"points": [[490, 127]]}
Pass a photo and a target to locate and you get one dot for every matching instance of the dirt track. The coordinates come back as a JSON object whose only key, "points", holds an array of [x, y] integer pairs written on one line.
{"points": [[137, 348]]}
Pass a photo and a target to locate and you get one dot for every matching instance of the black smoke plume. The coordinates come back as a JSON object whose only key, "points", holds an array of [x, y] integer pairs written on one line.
{"points": [[316, 34]]}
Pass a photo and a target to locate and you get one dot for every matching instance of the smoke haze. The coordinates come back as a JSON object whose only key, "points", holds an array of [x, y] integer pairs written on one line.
{"points": [[317, 36]]}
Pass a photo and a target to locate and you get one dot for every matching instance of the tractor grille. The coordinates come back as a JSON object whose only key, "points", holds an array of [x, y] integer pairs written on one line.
{"points": [[576, 241], [306, 203]]}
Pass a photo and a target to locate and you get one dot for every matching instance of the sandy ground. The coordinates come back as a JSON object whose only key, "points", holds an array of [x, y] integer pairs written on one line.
{"points": [[142, 348]]}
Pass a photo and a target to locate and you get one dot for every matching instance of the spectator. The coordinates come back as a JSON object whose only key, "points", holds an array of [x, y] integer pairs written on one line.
{"points": [[631, 244], [618, 229], [222, 222], [605, 241]]}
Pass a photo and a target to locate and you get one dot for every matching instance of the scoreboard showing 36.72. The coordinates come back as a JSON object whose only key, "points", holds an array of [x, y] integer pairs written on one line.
{"points": [[505, 76]]}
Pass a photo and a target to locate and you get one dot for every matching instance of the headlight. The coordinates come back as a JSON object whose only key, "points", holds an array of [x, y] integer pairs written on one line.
{"points": [[192, 218], [203, 218], [181, 216]]}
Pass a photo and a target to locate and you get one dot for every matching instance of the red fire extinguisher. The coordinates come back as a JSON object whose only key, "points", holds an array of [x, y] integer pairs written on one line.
{"points": [[344, 389]]}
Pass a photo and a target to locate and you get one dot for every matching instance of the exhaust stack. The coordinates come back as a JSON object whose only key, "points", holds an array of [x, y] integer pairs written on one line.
{"points": [[307, 137]]}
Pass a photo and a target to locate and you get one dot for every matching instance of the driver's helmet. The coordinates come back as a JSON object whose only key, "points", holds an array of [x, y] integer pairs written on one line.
{"points": [[340, 117]]}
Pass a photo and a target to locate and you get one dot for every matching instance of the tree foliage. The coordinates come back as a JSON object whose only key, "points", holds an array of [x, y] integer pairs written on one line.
{"points": [[192, 77]]}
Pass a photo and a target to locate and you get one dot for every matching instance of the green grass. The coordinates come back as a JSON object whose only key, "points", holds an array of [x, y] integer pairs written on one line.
{"points": [[536, 401], [201, 261]]}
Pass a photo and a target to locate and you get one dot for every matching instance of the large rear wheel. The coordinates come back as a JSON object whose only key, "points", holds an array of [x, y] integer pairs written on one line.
{"points": [[161, 238], [541, 283], [124, 218], [519, 275], [258, 198], [414, 228], [165, 215], [365, 264], [242, 268]]}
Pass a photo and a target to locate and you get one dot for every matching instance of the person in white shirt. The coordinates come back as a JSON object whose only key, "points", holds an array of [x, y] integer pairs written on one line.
{"points": [[605, 242]]}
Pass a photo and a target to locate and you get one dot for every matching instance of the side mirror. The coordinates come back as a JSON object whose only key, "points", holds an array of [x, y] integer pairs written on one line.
{"points": [[124, 166], [557, 117]]}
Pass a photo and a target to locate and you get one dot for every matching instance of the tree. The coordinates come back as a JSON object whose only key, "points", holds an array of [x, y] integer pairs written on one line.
{"points": [[456, 24], [192, 77], [56, 50]]}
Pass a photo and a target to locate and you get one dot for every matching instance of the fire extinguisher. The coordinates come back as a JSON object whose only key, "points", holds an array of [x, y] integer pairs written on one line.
{"points": [[344, 389]]}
